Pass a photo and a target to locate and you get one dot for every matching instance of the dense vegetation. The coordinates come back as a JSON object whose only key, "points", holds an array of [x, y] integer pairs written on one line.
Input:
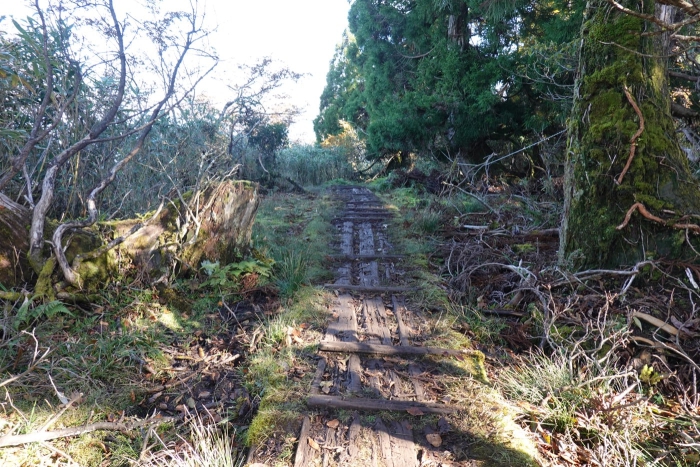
{"points": [[542, 160]]}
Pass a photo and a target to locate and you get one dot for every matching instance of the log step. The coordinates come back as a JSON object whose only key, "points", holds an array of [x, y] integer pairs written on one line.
{"points": [[362, 288], [379, 349], [378, 404], [366, 257]]}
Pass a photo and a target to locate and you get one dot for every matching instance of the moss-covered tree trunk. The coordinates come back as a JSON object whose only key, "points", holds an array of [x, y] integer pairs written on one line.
{"points": [[620, 69], [14, 242]]}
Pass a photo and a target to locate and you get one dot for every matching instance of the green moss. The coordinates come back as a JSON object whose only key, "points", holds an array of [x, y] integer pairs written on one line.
{"points": [[601, 127]]}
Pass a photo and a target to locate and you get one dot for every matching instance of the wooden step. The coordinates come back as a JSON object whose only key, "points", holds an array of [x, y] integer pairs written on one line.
{"points": [[379, 349], [362, 288], [378, 404], [366, 257]]}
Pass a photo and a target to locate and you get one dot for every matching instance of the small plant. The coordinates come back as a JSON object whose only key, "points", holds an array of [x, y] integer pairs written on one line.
{"points": [[206, 446], [233, 275], [28, 313], [428, 221], [291, 272], [649, 376]]}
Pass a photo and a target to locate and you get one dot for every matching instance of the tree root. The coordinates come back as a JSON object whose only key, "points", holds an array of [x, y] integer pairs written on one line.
{"points": [[16, 440], [633, 140], [645, 213]]}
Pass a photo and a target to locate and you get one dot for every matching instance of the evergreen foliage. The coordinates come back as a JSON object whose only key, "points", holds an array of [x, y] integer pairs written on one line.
{"points": [[453, 76]]}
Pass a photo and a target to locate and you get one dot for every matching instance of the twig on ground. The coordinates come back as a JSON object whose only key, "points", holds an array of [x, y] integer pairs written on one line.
{"points": [[35, 361]]}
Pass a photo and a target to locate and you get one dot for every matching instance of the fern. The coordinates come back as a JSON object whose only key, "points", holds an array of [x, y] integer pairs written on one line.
{"points": [[27, 313]]}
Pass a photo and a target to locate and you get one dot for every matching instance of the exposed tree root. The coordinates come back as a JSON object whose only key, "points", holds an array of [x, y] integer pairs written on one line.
{"points": [[644, 212], [633, 140]]}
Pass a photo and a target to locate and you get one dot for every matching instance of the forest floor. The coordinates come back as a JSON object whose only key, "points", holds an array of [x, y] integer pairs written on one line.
{"points": [[483, 350]]}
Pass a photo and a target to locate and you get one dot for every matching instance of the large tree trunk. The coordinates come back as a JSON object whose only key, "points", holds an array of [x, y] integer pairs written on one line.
{"points": [[619, 69], [14, 243]]}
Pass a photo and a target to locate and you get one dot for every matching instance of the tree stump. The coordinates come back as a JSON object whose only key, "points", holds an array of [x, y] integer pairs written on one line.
{"points": [[14, 243]]}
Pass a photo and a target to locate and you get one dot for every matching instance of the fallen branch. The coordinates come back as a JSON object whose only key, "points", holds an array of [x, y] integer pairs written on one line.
{"points": [[633, 140], [645, 213], [16, 440], [656, 322]]}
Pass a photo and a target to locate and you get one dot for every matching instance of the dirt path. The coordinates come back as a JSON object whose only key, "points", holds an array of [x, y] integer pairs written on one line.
{"points": [[379, 393]]}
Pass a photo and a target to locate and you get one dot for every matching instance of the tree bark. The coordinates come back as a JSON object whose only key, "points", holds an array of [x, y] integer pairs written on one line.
{"points": [[622, 147], [14, 243]]}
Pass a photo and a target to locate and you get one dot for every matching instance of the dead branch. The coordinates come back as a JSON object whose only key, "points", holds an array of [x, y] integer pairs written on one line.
{"points": [[656, 322], [36, 360], [633, 140], [17, 440]]}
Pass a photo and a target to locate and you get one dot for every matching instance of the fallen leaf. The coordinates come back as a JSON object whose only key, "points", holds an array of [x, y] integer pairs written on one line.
{"points": [[434, 439], [314, 445], [333, 423], [415, 411]]}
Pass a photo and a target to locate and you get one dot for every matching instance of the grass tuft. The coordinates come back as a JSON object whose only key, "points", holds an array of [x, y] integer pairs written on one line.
{"points": [[291, 271], [206, 446]]}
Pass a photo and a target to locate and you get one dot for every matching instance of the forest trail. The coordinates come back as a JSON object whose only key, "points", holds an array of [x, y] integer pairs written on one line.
{"points": [[380, 396]]}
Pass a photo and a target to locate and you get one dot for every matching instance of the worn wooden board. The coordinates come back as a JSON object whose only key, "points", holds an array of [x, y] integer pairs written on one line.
{"points": [[400, 313], [377, 404], [392, 349], [375, 321], [344, 328]]}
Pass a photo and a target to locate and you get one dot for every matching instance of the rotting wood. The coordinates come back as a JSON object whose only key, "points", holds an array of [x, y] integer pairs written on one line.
{"points": [[353, 434], [378, 349], [378, 404], [360, 288], [318, 376], [375, 321], [402, 448], [354, 382], [399, 311], [330, 445], [345, 327], [395, 383], [414, 373], [305, 453], [397, 448], [384, 442], [374, 371], [346, 238]]}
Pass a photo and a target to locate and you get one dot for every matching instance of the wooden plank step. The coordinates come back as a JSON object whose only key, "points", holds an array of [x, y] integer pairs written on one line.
{"points": [[400, 311], [397, 447], [366, 257], [378, 349], [305, 453], [378, 404], [361, 288], [374, 218]]}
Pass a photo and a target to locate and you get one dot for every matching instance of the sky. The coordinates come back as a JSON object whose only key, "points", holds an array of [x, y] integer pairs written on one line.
{"points": [[299, 34]]}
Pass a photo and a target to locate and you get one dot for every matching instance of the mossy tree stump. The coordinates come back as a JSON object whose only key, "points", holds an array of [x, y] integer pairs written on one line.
{"points": [[215, 224], [14, 242], [622, 147]]}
